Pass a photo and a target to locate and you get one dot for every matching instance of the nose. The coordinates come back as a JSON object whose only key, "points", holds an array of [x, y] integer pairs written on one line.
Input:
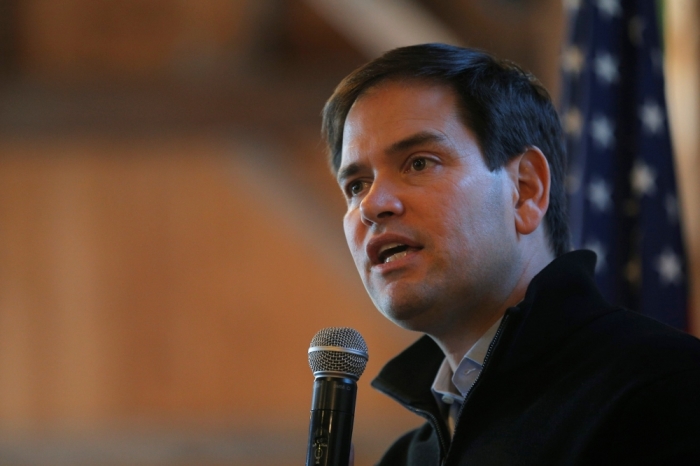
{"points": [[381, 202]]}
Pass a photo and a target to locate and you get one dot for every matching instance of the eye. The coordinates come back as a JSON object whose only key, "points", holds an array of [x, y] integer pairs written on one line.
{"points": [[354, 188], [419, 164]]}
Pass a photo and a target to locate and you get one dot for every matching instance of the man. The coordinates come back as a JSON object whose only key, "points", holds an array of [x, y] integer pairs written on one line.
{"points": [[452, 166]]}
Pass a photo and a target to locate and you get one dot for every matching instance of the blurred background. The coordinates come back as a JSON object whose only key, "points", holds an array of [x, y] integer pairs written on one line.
{"points": [[170, 235]]}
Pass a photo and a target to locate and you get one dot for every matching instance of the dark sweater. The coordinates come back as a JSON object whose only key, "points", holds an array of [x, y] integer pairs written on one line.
{"points": [[569, 380]]}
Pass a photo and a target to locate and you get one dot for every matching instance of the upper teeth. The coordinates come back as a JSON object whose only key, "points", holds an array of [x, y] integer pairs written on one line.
{"points": [[388, 246], [393, 256], [398, 255]]}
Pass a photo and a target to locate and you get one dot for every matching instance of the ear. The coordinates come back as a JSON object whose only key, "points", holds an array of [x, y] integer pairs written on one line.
{"points": [[530, 174]]}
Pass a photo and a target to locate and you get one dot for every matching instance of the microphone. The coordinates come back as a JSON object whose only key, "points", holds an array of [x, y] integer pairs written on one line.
{"points": [[337, 357]]}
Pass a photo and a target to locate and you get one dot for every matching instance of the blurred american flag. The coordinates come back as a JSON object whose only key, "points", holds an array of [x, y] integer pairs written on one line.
{"points": [[623, 203]]}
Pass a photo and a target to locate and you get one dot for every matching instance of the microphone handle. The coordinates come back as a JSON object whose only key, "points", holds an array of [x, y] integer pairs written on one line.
{"points": [[330, 427]]}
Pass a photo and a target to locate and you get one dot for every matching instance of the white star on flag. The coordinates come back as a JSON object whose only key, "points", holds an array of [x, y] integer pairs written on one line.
{"points": [[602, 131], [635, 29], [573, 60], [573, 122], [599, 250], [605, 66], [609, 8], [668, 264], [573, 182], [600, 194], [652, 117], [643, 179]]}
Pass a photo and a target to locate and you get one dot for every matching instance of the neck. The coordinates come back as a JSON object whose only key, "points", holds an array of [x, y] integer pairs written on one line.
{"points": [[457, 340], [456, 346]]}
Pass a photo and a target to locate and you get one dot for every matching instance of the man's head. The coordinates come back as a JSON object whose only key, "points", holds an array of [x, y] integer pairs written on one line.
{"points": [[507, 109], [440, 154]]}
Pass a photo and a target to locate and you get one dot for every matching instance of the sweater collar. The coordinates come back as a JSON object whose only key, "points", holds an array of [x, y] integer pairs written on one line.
{"points": [[560, 299]]}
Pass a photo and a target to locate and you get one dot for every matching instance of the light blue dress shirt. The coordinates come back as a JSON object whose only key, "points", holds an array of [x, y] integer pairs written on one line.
{"points": [[450, 389]]}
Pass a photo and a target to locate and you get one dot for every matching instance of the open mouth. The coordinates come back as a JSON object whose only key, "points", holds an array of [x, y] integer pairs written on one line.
{"points": [[391, 252]]}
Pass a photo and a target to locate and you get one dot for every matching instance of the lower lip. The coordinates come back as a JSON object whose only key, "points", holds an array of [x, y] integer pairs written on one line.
{"points": [[398, 263]]}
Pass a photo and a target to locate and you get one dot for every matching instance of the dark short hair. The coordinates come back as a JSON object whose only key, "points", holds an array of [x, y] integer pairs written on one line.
{"points": [[507, 108]]}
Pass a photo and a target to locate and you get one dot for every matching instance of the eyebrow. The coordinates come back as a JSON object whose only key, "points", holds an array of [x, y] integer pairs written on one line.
{"points": [[347, 172], [418, 139]]}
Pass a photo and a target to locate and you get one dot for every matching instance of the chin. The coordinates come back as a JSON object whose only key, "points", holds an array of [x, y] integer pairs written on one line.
{"points": [[409, 313]]}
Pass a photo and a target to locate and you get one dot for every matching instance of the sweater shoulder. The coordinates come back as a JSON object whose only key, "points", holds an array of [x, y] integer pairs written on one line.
{"points": [[628, 341], [630, 329]]}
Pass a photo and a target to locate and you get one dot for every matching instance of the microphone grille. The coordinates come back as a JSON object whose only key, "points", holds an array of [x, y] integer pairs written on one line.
{"points": [[339, 350]]}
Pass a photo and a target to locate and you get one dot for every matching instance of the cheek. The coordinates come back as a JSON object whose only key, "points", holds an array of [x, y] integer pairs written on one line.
{"points": [[351, 226], [495, 215], [477, 216]]}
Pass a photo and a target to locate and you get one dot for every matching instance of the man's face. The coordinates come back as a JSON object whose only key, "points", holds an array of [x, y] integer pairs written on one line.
{"points": [[430, 228]]}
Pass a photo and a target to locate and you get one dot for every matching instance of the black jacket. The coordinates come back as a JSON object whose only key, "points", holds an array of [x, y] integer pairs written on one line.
{"points": [[568, 380]]}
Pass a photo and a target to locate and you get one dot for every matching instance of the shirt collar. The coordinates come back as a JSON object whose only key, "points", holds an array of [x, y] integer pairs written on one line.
{"points": [[449, 387]]}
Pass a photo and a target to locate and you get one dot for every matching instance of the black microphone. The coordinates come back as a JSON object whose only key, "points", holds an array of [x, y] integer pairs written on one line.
{"points": [[337, 357]]}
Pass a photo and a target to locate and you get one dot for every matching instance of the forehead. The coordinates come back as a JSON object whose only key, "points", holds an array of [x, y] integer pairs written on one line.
{"points": [[392, 111]]}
